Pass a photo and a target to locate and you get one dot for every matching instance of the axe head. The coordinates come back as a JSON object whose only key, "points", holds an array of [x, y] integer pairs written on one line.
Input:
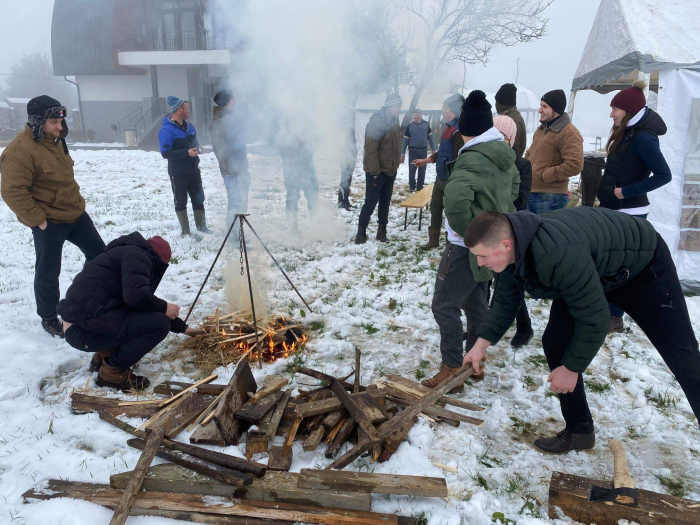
{"points": [[622, 496]]}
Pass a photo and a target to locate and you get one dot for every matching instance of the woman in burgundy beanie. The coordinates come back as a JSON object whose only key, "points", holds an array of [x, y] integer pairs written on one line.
{"points": [[635, 164]]}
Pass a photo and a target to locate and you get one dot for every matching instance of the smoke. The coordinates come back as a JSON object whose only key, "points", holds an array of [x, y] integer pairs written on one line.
{"points": [[236, 287]]}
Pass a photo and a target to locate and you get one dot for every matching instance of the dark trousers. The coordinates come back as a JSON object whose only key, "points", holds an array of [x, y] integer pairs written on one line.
{"points": [[48, 245], [184, 185], [615, 310], [300, 175], [522, 320], [378, 191], [416, 154], [436, 206], [457, 291], [654, 300], [144, 331]]}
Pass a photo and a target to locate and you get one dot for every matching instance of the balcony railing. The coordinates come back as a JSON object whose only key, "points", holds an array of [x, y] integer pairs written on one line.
{"points": [[173, 41]]}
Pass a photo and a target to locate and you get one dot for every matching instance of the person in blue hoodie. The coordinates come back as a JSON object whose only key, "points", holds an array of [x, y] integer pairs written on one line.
{"points": [[635, 165], [179, 144]]}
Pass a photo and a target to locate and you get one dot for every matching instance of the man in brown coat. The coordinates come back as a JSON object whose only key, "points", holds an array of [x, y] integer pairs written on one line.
{"points": [[556, 155], [383, 136], [37, 183], [506, 105]]}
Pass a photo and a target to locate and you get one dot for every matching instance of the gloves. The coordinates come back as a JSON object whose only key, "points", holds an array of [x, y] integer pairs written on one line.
{"points": [[178, 326]]}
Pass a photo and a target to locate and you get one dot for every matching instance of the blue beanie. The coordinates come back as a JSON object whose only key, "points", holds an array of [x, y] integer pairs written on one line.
{"points": [[175, 103]]}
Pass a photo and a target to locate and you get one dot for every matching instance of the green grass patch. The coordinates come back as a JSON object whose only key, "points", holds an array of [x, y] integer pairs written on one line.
{"points": [[537, 360], [523, 427], [317, 326], [596, 386], [420, 374], [369, 328], [528, 381], [674, 486], [663, 401]]}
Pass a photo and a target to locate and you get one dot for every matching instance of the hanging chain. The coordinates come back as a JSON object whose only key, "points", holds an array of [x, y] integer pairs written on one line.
{"points": [[240, 246]]}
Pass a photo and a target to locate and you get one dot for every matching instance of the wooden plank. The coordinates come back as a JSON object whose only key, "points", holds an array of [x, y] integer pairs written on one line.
{"points": [[280, 459], [277, 415], [224, 474], [570, 494], [255, 412], [171, 388], [289, 441], [323, 406], [332, 419], [200, 418], [81, 403], [340, 438], [419, 199], [356, 412], [133, 486], [356, 383], [441, 413], [375, 483], [255, 444], [394, 440], [179, 419], [211, 519], [260, 428], [397, 422], [235, 395], [325, 377], [274, 486], [272, 383], [163, 413], [188, 389], [225, 506], [208, 434], [372, 407], [418, 390], [314, 438], [218, 458]]}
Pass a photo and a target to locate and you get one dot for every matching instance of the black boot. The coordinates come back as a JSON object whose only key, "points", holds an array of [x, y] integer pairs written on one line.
{"points": [[521, 338], [565, 441], [361, 236], [381, 233], [341, 199], [54, 327]]}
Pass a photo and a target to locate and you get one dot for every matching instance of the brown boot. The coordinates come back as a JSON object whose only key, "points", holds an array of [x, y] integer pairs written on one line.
{"points": [[443, 375], [617, 324], [123, 380], [97, 358], [433, 239]]}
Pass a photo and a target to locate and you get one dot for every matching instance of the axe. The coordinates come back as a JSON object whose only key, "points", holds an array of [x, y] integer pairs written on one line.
{"points": [[624, 492]]}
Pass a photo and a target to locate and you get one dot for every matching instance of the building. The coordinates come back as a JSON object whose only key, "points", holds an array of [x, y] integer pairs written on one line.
{"points": [[128, 56]]}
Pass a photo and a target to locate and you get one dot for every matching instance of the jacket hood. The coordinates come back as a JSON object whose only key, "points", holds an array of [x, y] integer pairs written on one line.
{"points": [[497, 151], [652, 121], [525, 226], [136, 239]]}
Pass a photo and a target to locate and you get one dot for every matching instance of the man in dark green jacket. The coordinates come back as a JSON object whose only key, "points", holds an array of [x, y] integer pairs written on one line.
{"points": [[483, 177], [583, 258]]}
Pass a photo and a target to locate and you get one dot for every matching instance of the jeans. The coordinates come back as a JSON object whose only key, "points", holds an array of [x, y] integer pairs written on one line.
{"points": [[654, 299], [416, 154], [144, 331], [542, 202], [457, 291], [187, 184], [379, 191], [436, 206], [300, 175], [48, 245], [237, 187], [616, 311]]}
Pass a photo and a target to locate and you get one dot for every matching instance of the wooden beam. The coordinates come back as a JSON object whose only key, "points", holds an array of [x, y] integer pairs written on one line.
{"points": [[255, 444], [275, 486], [569, 494], [332, 418], [81, 403], [356, 412], [394, 440], [134, 485], [178, 416], [106, 496], [323, 406], [208, 434], [325, 377], [255, 412], [340, 438], [233, 477], [277, 415], [272, 383], [442, 413], [235, 395], [375, 483], [188, 389], [171, 388], [280, 459], [418, 390], [314, 438], [356, 384]]}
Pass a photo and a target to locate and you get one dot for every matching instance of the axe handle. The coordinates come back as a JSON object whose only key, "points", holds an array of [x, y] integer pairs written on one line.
{"points": [[622, 476]]}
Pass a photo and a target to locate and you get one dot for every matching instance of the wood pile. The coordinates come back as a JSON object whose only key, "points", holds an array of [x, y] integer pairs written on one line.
{"points": [[206, 486]]}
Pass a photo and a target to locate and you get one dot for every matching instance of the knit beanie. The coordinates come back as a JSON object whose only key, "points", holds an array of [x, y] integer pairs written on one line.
{"points": [[476, 117], [392, 99], [556, 100], [223, 97], [175, 103], [631, 99], [161, 247], [454, 103], [506, 95], [507, 127]]}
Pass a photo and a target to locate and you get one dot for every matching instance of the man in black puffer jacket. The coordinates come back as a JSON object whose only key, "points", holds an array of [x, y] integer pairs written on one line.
{"points": [[583, 258], [111, 310]]}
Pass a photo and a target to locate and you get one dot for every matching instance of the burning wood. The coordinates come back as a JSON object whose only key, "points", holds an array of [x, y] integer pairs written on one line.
{"points": [[226, 339]]}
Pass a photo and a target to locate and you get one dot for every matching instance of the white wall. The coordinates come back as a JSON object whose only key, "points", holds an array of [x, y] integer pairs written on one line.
{"points": [[171, 81], [133, 88]]}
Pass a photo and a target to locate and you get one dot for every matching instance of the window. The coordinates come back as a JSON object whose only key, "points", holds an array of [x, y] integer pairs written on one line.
{"points": [[690, 212]]}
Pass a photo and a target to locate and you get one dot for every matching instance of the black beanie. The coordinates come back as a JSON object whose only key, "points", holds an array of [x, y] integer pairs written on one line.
{"points": [[476, 117], [556, 100], [506, 95], [223, 97]]}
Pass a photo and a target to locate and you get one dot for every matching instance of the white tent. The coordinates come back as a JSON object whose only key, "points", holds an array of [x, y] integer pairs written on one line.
{"points": [[658, 40]]}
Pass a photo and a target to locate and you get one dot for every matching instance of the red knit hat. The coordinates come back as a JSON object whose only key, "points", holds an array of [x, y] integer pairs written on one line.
{"points": [[161, 247], [631, 99]]}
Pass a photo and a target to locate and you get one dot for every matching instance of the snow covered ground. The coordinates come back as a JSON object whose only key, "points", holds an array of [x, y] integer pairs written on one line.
{"points": [[376, 297]]}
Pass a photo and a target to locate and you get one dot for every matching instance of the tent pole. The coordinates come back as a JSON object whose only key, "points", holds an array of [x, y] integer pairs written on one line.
{"points": [[570, 110]]}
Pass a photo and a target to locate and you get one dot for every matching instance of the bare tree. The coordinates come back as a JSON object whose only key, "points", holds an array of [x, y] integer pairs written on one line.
{"points": [[33, 75], [467, 31]]}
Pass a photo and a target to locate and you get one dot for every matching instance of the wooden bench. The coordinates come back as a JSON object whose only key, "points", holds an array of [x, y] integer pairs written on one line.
{"points": [[418, 200]]}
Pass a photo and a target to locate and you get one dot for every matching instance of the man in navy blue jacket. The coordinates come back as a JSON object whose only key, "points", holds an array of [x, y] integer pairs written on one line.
{"points": [[179, 144]]}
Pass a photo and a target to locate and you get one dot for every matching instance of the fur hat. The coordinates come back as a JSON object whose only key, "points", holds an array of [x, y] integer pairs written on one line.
{"points": [[161, 247], [42, 108], [476, 117], [632, 99], [507, 127]]}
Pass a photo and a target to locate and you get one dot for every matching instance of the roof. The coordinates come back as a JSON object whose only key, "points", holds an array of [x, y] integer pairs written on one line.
{"points": [[648, 36], [4, 105], [20, 101]]}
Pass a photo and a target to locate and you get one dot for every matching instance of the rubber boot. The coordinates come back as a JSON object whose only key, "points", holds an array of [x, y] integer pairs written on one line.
{"points": [[200, 220], [184, 222], [97, 360], [124, 380], [433, 239], [361, 236], [381, 233]]}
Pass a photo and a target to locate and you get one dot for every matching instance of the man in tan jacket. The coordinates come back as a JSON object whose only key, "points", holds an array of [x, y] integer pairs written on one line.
{"points": [[556, 155], [37, 183]]}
